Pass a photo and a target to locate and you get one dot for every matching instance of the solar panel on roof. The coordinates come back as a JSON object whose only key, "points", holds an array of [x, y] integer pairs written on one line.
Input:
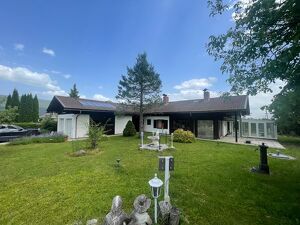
{"points": [[97, 104]]}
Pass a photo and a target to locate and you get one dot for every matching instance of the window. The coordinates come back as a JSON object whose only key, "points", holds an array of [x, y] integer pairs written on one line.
{"points": [[271, 130], [148, 121], [205, 129], [253, 129], [161, 124], [261, 129], [245, 128]]}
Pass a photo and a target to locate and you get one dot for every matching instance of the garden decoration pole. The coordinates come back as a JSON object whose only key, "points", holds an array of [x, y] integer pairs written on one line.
{"points": [[263, 166], [166, 163], [172, 137], [155, 185]]}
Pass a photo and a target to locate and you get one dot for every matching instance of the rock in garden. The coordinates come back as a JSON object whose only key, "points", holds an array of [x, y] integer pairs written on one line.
{"points": [[80, 153], [92, 222]]}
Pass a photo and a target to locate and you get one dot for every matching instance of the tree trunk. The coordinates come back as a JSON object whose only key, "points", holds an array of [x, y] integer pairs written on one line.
{"points": [[141, 122]]}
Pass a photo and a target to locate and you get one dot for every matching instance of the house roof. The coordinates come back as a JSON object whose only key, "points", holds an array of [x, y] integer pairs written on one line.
{"points": [[69, 103], [219, 104]]}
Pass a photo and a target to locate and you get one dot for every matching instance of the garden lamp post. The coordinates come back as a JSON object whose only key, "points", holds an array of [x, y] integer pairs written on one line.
{"points": [[155, 185]]}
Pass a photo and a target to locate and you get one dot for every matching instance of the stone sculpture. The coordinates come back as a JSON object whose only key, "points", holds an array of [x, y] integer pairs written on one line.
{"points": [[116, 216], [139, 216]]}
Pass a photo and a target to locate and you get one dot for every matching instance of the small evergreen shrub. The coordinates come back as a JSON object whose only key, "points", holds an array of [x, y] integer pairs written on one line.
{"points": [[129, 129], [183, 136]]}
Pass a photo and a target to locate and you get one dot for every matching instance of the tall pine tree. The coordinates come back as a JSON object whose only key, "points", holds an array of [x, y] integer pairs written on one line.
{"points": [[35, 109], [15, 101], [22, 110], [8, 102], [74, 93], [140, 87]]}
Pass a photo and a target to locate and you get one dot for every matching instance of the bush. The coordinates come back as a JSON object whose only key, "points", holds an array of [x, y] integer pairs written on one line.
{"points": [[183, 136], [28, 125], [49, 124], [129, 129], [55, 138], [96, 132]]}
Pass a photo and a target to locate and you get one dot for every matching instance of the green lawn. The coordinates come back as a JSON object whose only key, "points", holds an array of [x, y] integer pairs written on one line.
{"points": [[211, 184]]}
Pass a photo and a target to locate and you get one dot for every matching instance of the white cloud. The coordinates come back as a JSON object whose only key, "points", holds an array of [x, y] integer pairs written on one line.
{"points": [[55, 72], [190, 94], [48, 51], [25, 76], [82, 96], [196, 83], [100, 97], [19, 47], [67, 76], [262, 99], [193, 89]]}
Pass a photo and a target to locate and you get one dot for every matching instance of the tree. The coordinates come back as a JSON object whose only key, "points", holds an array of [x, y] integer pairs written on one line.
{"points": [[261, 47], [15, 100], [35, 109], [140, 87], [96, 132], [8, 115], [285, 108], [8, 102], [129, 129], [74, 93]]}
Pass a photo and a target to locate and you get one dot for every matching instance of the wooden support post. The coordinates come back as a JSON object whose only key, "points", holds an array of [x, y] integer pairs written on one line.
{"points": [[235, 127]]}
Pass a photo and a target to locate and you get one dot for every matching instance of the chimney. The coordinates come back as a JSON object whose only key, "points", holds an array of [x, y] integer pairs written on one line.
{"points": [[165, 99], [206, 94]]}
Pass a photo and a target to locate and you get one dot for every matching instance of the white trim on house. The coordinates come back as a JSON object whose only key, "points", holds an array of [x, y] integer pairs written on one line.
{"points": [[120, 123], [73, 125], [149, 127]]}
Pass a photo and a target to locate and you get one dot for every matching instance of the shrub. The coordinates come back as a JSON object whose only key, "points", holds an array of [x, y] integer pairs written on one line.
{"points": [[28, 125], [129, 129], [96, 132], [183, 136], [54, 138], [49, 124]]}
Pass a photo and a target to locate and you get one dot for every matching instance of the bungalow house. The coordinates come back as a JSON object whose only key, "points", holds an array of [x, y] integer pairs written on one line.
{"points": [[210, 118]]}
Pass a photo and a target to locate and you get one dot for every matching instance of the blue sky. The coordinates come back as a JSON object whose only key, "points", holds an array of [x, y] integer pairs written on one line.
{"points": [[46, 46]]}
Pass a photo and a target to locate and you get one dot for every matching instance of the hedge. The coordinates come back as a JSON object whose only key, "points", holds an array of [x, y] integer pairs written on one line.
{"points": [[27, 125]]}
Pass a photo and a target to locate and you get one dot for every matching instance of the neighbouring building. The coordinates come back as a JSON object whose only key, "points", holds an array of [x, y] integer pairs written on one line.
{"points": [[210, 118]]}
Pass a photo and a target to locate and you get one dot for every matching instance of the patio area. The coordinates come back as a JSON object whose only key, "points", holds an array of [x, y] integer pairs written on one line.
{"points": [[254, 141]]}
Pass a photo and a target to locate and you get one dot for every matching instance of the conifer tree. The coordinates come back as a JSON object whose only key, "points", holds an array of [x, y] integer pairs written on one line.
{"points": [[35, 109], [22, 109], [140, 87], [8, 102], [74, 93], [15, 101]]}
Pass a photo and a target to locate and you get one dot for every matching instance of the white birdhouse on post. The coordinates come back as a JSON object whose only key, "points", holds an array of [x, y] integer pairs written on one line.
{"points": [[155, 185]]}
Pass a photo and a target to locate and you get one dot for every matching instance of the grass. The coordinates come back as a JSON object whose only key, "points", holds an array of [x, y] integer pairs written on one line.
{"points": [[211, 184]]}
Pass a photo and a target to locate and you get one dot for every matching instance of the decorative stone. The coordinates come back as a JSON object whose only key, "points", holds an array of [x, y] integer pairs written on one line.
{"points": [[116, 216], [80, 153], [139, 216], [164, 211], [92, 222], [174, 216]]}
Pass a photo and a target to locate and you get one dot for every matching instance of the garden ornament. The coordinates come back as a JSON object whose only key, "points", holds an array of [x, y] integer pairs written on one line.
{"points": [[116, 216], [139, 216]]}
